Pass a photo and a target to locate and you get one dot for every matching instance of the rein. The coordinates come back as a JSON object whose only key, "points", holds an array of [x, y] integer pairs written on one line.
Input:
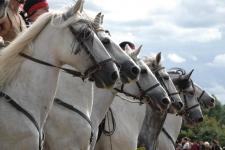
{"points": [[169, 136], [142, 94], [72, 108], [160, 78], [27, 114], [187, 109]]}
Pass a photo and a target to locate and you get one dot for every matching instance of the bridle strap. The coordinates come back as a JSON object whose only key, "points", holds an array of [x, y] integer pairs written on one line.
{"points": [[192, 107], [72, 108], [126, 93], [26, 113], [187, 109], [149, 89], [158, 76], [142, 92], [203, 92], [97, 67], [69, 71], [169, 137]]}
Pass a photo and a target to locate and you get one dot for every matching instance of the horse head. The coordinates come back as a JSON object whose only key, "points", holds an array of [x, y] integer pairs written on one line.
{"points": [[154, 63], [129, 71]]}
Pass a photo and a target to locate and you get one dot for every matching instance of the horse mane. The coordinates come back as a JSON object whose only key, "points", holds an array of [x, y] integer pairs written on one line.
{"points": [[10, 60], [177, 70], [150, 61]]}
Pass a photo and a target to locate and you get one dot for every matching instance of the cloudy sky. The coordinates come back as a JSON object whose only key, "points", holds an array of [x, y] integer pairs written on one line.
{"points": [[189, 33]]}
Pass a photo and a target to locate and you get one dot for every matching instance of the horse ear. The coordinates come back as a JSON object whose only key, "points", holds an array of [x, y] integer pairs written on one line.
{"points": [[78, 7], [97, 20], [137, 51], [187, 76], [158, 58], [127, 49], [102, 18]]}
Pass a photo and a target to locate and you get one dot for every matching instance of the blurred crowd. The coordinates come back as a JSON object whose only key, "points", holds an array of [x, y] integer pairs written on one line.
{"points": [[188, 144]]}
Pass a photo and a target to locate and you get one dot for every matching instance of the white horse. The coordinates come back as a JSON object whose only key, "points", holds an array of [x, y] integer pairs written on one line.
{"points": [[129, 116], [70, 115], [172, 125], [148, 136], [28, 84]]}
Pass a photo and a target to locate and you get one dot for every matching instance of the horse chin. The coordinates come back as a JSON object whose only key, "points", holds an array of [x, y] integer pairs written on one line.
{"points": [[101, 84], [172, 110]]}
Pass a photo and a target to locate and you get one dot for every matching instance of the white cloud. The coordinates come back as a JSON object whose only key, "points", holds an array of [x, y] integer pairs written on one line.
{"points": [[218, 61], [175, 58], [218, 90]]}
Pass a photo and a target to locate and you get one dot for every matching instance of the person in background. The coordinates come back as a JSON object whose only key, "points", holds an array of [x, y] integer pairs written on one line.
{"points": [[13, 24], [195, 146], [35, 8], [207, 145], [215, 145], [186, 144]]}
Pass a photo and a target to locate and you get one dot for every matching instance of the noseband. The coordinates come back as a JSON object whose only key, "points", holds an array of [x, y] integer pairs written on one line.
{"points": [[90, 71], [160, 78], [187, 109], [142, 92]]}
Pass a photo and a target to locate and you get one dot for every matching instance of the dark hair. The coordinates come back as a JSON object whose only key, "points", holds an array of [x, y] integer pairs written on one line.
{"points": [[31, 6], [123, 44]]}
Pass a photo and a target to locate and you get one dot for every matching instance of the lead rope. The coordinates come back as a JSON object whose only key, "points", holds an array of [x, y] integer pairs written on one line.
{"points": [[110, 136]]}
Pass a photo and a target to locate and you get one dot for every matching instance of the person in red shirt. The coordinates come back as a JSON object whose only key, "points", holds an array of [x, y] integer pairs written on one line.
{"points": [[195, 146]]}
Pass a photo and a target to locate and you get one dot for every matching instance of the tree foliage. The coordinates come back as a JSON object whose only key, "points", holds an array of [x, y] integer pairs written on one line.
{"points": [[213, 126]]}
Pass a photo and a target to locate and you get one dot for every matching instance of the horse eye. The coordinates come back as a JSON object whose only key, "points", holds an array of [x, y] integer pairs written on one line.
{"points": [[191, 92], [86, 33], [143, 71], [105, 41]]}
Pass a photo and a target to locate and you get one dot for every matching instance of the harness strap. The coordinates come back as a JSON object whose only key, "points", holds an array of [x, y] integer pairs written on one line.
{"points": [[203, 92], [101, 127], [70, 71], [168, 135], [26, 113], [72, 108]]}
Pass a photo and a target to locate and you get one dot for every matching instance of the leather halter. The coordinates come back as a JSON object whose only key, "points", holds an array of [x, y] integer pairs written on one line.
{"points": [[160, 78], [199, 98], [142, 94], [89, 72], [187, 109]]}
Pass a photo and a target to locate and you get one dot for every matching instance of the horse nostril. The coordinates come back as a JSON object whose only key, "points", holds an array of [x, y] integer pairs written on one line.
{"points": [[135, 70], [165, 101], [212, 100], [114, 76], [200, 119], [180, 105]]}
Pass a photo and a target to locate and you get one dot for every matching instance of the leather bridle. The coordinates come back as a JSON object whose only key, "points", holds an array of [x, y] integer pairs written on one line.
{"points": [[187, 109], [142, 93], [91, 70], [161, 80]]}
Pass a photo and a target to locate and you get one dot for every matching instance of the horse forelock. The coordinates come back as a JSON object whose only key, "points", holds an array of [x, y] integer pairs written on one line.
{"points": [[150, 61], [10, 61]]}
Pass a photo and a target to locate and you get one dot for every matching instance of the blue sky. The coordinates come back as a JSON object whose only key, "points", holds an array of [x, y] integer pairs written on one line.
{"points": [[189, 33]]}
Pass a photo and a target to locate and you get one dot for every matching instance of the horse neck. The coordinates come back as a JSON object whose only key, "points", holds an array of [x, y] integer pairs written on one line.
{"points": [[33, 87], [103, 98], [173, 125], [151, 128], [15, 27], [76, 92]]}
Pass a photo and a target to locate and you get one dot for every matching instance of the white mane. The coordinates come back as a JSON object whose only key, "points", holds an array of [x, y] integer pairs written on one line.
{"points": [[10, 61]]}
